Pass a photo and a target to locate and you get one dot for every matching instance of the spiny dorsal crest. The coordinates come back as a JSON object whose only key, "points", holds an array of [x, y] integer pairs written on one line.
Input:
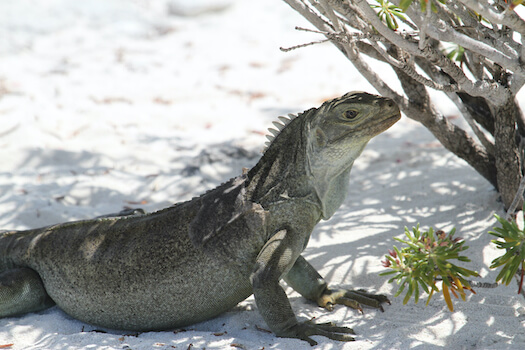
{"points": [[280, 126]]}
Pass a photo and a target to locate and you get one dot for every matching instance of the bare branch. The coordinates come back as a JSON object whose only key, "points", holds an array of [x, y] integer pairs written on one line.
{"points": [[508, 17], [493, 90], [388, 33], [440, 30], [508, 162], [517, 199], [408, 67], [475, 29], [344, 36], [331, 16], [350, 50], [300, 46], [464, 106], [479, 88], [403, 64], [489, 145], [451, 136], [310, 15], [482, 83]]}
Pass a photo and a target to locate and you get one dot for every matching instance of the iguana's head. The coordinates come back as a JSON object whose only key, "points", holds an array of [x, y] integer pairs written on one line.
{"points": [[337, 133]]}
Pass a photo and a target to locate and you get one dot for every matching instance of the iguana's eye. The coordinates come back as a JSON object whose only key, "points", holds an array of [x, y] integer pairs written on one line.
{"points": [[350, 114]]}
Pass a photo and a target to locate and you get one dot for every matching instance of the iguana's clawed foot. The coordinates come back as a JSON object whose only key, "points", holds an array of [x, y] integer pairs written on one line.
{"points": [[351, 298], [306, 329]]}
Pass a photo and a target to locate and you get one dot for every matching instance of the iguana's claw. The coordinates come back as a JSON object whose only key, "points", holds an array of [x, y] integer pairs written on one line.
{"points": [[306, 329], [351, 298]]}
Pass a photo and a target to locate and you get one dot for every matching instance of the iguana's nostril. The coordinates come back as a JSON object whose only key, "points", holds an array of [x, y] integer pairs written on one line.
{"points": [[389, 103]]}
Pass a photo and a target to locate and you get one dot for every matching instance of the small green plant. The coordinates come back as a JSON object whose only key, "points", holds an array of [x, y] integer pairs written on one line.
{"points": [[426, 260], [512, 240], [388, 13], [514, 3], [454, 52]]}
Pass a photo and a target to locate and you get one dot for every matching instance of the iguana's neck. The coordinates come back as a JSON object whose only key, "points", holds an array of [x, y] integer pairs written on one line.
{"points": [[282, 171]]}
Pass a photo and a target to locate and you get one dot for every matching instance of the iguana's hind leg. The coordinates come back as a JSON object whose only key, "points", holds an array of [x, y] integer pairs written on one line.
{"points": [[22, 291]]}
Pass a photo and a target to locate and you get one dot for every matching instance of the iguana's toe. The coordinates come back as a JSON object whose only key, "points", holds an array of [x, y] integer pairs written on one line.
{"points": [[351, 298], [305, 330]]}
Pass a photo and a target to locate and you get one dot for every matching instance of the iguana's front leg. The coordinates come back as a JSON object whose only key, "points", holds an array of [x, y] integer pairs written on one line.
{"points": [[273, 262], [308, 282]]}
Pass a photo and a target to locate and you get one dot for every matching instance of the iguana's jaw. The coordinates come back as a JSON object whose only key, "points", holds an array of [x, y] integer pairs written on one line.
{"points": [[379, 126]]}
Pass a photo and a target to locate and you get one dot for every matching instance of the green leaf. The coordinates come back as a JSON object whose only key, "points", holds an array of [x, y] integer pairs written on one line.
{"points": [[416, 291], [389, 22], [433, 7], [409, 293], [423, 285], [393, 279], [404, 4], [398, 14], [515, 3], [503, 274], [501, 231], [386, 273], [510, 228], [423, 5], [512, 271], [401, 288], [501, 260], [446, 295]]}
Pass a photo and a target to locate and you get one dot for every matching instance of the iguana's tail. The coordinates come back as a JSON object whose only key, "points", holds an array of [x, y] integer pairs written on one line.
{"points": [[5, 240], [21, 288]]}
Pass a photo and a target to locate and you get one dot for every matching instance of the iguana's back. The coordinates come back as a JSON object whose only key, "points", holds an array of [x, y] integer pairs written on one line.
{"points": [[131, 273]]}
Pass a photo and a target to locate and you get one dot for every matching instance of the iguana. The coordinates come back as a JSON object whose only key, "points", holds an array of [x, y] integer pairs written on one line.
{"points": [[197, 259]]}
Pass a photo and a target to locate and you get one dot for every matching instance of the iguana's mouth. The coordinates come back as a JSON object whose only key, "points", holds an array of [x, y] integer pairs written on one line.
{"points": [[395, 116], [379, 126], [387, 122]]}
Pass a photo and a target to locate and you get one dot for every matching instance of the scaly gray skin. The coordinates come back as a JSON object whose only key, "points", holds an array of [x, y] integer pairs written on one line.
{"points": [[197, 259]]}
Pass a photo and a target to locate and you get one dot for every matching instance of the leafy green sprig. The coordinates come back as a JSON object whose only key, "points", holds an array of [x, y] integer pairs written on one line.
{"points": [[512, 240], [426, 260], [404, 4], [514, 3], [388, 13]]}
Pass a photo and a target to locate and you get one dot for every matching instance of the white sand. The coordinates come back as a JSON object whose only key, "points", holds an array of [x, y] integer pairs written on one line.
{"points": [[106, 104]]}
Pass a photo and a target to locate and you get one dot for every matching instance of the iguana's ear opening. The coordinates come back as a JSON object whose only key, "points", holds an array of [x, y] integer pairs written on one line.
{"points": [[320, 137]]}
